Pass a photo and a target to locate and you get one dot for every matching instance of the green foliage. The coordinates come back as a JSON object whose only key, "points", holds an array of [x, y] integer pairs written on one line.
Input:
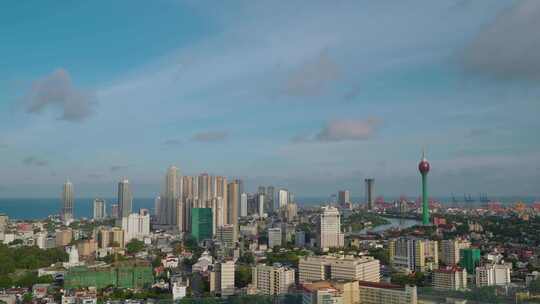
{"points": [[134, 246], [289, 257], [534, 287], [380, 254], [417, 278], [16, 242], [247, 258], [28, 258], [242, 276]]}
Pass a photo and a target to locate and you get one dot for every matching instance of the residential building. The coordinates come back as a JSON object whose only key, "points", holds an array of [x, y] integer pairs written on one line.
{"points": [[450, 250], [222, 278], [344, 198], [136, 226], [320, 268], [450, 278], [233, 202], [272, 280], [243, 205], [413, 253], [493, 274], [63, 237], [99, 209], [329, 229], [321, 293], [125, 199], [67, 202], [274, 237], [227, 235], [283, 197], [379, 293], [170, 198]]}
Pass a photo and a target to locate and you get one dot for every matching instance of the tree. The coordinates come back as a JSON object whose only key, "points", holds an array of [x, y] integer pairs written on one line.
{"points": [[534, 287], [380, 254], [134, 246], [242, 276]]}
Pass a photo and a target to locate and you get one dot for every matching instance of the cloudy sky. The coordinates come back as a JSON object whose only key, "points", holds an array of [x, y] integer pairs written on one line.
{"points": [[310, 95]]}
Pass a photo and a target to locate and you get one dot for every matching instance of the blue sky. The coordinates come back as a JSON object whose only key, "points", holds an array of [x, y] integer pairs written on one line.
{"points": [[309, 95]]}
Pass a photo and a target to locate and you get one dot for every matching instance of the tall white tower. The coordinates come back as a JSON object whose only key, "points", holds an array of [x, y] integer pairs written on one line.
{"points": [[330, 234], [67, 201]]}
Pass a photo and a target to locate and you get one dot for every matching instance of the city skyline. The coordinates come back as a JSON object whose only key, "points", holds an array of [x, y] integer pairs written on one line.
{"points": [[265, 94]]}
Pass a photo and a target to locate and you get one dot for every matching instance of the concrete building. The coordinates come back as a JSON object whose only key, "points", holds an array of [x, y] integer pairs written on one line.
{"points": [[135, 226], [344, 198], [283, 198], [299, 239], [469, 259], [243, 205], [370, 184], [66, 212], [329, 229], [100, 211], [233, 202], [63, 237], [222, 278], [321, 293], [450, 278], [110, 237], [115, 210], [450, 250], [272, 280], [291, 211], [493, 274], [414, 254], [170, 198], [227, 235], [378, 293], [320, 268], [274, 237], [125, 199], [269, 199]]}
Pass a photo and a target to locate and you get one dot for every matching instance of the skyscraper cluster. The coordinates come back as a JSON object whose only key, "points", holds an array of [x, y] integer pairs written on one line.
{"points": [[182, 194]]}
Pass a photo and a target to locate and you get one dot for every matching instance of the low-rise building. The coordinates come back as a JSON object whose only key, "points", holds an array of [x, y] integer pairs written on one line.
{"points": [[319, 268], [379, 292]]}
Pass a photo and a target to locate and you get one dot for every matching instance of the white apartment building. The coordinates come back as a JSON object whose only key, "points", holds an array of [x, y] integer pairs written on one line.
{"points": [[450, 278], [272, 280], [320, 268], [493, 274], [135, 226], [329, 230]]}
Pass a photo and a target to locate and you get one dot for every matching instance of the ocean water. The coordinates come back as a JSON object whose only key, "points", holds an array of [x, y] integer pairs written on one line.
{"points": [[32, 208]]}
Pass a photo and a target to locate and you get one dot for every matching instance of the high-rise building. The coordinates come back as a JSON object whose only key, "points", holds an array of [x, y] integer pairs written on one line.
{"points": [[344, 198], [320, 268], [135, 226], [201, 223], [283, 198], [269, 199], [99, 209], [450, 250], [450, 278], [291, 211], [115, 210], [272, 280], [67, 201], [125, 199], [243, 205], [170, 198], [493, 274], [233, 202], [218, 213], [300, 239], [274, 237], [424, 167], [329, 229], [370, 183], [413, 253], [469, 259], [222, 278], [157, 206], [261, 205]]}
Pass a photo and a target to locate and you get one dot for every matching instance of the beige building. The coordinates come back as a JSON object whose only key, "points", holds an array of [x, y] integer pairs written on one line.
{"points": [[63, 237], [272, 280], [226, 234], [222, 278], [329, 230], [450, 250], [385, 293], [319, 268], [321, 293], [450, 278], [110, 237], [87, 247], [414, 254]]}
